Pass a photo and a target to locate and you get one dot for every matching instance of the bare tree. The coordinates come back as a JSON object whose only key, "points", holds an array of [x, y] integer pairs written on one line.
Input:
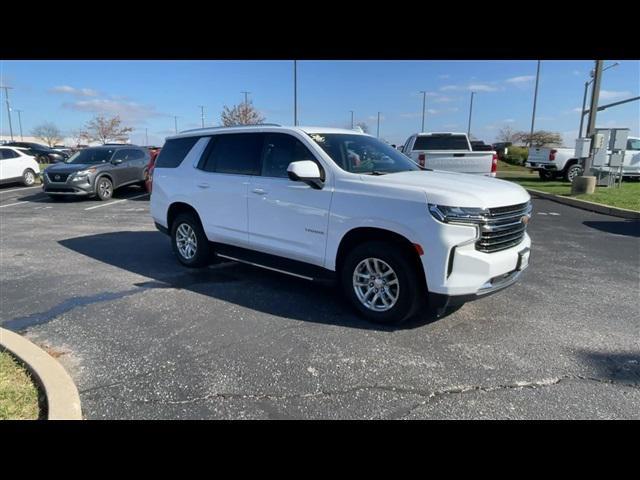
{"points": [[48, 133], [507, 134], [78, 137], [242, 114], [540, 138], [105, 129]]}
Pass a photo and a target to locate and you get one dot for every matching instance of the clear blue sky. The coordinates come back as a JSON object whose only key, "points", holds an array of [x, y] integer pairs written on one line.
{"points": [[147, 94]]}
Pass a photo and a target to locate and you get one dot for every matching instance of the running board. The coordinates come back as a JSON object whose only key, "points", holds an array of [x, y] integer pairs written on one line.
{"points": [[264, 266]]}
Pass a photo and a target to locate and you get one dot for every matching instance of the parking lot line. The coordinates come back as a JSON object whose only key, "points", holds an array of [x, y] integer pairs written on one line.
{"points": [[117, 201], [20, 189], [10, 204]]}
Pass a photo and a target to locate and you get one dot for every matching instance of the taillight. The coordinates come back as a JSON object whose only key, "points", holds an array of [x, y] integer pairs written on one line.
{"points": [[421, 159], [552, 155], [494, 164]]}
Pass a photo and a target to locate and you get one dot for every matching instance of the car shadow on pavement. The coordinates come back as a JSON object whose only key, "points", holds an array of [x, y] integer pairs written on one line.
{"points": [[619, 367], [149, 254], [629, 228]]}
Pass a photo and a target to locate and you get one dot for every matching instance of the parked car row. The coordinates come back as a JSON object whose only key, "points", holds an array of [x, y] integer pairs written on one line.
{"points": [[42, 153]]}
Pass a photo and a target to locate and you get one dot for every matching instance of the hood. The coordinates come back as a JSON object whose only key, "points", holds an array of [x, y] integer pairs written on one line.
{"points": [[457, 189], [68, 167]]}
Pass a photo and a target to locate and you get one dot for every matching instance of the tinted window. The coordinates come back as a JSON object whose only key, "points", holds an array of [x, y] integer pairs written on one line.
{"points": [[234, 153], [7, 153], [136, 154], [279, 151], [633, 144], [441, 142], [174, 152]]}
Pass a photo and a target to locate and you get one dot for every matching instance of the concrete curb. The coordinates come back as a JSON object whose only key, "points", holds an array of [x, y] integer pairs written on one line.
{"points": [[63, 400], [585, 205]]}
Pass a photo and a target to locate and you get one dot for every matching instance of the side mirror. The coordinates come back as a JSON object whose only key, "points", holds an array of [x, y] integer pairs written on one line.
{"points": [[305, 171], [401, 148], [116, 161]]}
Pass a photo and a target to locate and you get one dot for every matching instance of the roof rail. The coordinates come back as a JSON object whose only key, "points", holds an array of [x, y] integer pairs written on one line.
{"points": [[233, 126]]}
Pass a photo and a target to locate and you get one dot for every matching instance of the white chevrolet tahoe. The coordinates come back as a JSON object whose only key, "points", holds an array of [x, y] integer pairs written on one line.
{"points": [[324, 203]]}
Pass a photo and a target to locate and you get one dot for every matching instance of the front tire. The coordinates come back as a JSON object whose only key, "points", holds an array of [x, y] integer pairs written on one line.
{"points": [[104, 189], [382, 282], [28, 177], [189, 242]]}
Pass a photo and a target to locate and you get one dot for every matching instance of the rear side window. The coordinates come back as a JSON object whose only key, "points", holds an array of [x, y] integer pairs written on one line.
{"points": [[633, 144], [174, 151], [237, 154], [441, 142], [6, 153]]}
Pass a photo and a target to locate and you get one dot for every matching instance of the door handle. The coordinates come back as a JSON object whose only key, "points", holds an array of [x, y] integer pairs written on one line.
{"points": [[259, 191], [203, 185]]}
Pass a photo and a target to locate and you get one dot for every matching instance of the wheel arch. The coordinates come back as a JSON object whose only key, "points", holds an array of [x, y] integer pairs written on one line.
{"points": [[176, 208], [359, 235]]}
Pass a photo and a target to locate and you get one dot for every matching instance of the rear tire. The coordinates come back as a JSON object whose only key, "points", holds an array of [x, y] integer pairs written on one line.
{"points": [[189, 242], [545, 175], [28, 177], [365, 280], [571, 172]]}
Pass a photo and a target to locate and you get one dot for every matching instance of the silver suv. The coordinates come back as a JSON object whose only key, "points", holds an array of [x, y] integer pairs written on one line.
{"points": [[98, 171]]}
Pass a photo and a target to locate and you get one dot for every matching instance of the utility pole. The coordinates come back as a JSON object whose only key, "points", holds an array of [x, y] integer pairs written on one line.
{"points": [[175, 119], [535, 101], [202, 113], [378, 129], [246, 98], [6, 94], [591, 125], [424, 104], [584, 98], [470, 111], [295, 93], [351, 119], [20, 122], [146, 137]]}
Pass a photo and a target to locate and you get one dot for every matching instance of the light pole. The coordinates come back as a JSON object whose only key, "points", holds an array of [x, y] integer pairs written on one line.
{"points": [[470, 112], [351, 119], [6, 94], [295, 93], [424, 104], [202, 114], [20, 122], [595, 96], [246, 98], [378, 129], [146, 137], [535, 101], [584, 98], [175, 119]]}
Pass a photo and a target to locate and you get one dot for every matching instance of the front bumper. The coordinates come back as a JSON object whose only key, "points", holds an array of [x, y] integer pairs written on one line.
{"points": [[71, 186]]}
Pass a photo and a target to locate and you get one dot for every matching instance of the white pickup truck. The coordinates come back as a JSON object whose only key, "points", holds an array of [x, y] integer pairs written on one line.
{"points": [[552, 162], [450, 152]]}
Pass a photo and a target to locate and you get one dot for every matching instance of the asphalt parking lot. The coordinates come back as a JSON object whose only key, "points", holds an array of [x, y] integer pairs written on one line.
{"points": [[145, 338]]}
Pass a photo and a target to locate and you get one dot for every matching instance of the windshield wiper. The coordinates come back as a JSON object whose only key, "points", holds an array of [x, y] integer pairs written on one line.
{"points": [[376, 172]]}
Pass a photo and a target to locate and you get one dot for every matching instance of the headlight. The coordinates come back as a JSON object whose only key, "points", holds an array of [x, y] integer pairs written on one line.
{"points": [[458, 214], [84, 173]]}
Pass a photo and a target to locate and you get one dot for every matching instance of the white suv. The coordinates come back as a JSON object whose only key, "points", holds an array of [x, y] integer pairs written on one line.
{"points": [[322, 203]]}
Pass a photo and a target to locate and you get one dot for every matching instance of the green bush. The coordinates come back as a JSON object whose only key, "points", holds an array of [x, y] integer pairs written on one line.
{"points": [[516, 155]]}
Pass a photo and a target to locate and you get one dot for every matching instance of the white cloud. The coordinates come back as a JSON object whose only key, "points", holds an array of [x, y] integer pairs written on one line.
{"points": [[128, 111], [473, 87], [508, 120], [78, 92], [521, 79], [610, 94]]}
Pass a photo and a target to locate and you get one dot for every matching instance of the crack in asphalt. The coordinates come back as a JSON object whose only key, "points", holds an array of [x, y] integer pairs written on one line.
{"points": [[397, 414]]}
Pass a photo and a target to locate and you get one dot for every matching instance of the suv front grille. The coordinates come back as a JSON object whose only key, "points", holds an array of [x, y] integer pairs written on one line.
{"points": [[503, 228], [58, 177]]}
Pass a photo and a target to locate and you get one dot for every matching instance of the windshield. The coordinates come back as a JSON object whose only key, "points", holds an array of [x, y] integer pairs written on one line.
{"points": [[91, 156], [363, 154]]}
